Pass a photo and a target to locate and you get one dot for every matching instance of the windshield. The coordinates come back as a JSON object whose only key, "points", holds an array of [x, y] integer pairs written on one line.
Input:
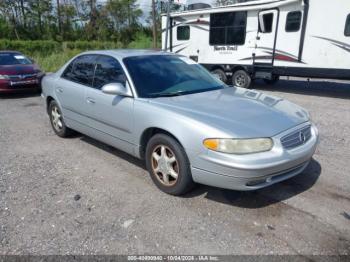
{"points": [[169, 75], [13, 59]]}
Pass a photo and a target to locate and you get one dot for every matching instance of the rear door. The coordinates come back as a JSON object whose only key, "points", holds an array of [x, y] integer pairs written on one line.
{"points": [[71, 88], [266, 38]]}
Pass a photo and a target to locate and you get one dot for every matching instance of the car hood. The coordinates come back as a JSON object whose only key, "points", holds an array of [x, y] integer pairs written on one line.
{"points": [[19, 69], [236, 111]]}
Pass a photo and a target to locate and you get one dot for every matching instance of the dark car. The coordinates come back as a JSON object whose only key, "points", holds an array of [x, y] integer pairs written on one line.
{"points": [[18, 73]]}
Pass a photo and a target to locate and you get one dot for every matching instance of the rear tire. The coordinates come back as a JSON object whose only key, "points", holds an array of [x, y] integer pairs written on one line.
{"points": [[242, 79], [272, 81], [57, 122], [219, 73], [168, 165]]}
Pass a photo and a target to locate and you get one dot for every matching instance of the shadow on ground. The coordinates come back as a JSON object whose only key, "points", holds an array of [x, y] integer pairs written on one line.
{"points": [[314, 88], [19, 95], [256, 199], [112, 150]]}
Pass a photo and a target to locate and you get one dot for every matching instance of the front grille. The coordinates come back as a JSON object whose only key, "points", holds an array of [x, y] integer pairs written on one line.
{"points": [[22, 77], [297, 138]]}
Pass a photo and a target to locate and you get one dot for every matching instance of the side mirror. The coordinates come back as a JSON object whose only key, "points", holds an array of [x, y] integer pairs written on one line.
{"points": [[116, 89]]}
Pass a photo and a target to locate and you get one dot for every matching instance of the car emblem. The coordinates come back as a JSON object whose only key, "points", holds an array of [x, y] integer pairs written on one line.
{"points": [[302, 137]]}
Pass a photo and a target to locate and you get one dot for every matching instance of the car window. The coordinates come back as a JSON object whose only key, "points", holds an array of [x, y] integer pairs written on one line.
{"points": [[81, 70], [108, 70], [14, 59], [168, 75]]}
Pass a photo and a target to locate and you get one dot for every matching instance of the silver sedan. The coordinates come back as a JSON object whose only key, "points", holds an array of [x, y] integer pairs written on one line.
{"points": [[188, 126]]}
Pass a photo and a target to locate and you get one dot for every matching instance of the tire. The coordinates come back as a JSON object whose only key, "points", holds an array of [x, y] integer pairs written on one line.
{"points": [[161, 151], [241, 78], [57, 122], [219, 73], [272, 81]]}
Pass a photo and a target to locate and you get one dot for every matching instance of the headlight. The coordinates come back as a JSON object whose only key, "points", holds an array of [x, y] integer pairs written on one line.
{"points": [[4, 77], [239, 146]]}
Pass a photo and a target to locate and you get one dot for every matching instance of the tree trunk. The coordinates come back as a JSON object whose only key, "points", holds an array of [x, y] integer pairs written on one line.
{"points": [[59, 18], [23, 14]]}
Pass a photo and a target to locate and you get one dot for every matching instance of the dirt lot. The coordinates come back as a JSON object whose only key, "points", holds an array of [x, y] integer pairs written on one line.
{"points": [[78, 196]]}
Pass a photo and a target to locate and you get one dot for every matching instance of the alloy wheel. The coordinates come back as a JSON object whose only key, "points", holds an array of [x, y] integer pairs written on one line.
{"points": [[240, 80], [165, 165], [56, 118]]}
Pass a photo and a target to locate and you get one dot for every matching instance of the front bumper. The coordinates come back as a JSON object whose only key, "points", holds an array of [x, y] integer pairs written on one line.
{"points": [[255, 171], [6, 87]]}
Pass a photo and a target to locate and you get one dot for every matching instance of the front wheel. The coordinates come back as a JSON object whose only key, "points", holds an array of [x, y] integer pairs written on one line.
{"points": [[168, 165], [241, 78]]}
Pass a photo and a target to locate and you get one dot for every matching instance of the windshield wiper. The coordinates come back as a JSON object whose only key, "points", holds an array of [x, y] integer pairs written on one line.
{"points": [[177, 93]]}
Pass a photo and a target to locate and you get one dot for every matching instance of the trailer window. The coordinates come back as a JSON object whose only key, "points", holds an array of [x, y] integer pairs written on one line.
{"points": [[228, 28], [268, 23], [183, 32], [293, 21], [347, 26]]}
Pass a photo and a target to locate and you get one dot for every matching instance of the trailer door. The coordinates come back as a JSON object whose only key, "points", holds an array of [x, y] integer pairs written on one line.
{"points": [[266, 38]]}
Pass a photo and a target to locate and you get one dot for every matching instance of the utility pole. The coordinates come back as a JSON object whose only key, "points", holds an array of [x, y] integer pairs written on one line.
{"points": [[154, 21], [167, 25]]}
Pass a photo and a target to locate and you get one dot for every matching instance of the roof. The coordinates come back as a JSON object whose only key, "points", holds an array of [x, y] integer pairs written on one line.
{"points": [[244, 6], [123, 53]]}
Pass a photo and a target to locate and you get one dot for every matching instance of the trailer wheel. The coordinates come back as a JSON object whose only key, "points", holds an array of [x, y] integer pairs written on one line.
{"points": [[241, 78], [220, 74], [272, 81]]}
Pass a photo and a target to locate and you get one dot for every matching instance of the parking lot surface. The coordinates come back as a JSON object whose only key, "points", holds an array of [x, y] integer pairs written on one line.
{"points": [[79, 196]]}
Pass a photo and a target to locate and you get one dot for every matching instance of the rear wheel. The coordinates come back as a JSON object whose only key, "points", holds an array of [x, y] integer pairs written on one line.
{"points": [[220, 74], [57, 122], [241, 78], [168, 165]]}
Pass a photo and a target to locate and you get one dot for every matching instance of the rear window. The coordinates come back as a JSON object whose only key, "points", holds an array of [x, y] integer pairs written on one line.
{"points": [[293, 21], [14, 59], [347, 26]]}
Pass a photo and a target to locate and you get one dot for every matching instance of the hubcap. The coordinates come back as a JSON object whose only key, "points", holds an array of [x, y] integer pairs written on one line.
{"points": [[240, 80], [56, 118], [165, 166]]}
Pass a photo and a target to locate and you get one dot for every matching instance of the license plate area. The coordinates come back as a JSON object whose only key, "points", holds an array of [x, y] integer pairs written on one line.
{"points": [[23, 82]]}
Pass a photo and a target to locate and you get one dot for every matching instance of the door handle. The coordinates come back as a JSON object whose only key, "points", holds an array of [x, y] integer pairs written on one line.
{"points": [[59, 90], [90, 100]]}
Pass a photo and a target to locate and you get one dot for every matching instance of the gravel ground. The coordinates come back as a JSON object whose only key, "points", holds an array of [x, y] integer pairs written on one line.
{"points": [[79, 196]]}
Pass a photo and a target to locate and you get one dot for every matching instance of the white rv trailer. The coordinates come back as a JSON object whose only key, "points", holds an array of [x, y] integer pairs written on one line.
{"points": [[265, 39]]}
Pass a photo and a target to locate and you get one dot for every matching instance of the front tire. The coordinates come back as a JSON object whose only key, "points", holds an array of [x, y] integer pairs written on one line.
{"points": [[168, 165], [57, 122], [241, 78]]}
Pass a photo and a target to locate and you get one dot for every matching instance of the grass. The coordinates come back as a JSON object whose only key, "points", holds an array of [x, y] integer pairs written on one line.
{"points": [[54, 61]]}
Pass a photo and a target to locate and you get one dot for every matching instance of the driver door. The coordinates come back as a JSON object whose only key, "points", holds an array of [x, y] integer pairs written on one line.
{"points": [[111, 115]]}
